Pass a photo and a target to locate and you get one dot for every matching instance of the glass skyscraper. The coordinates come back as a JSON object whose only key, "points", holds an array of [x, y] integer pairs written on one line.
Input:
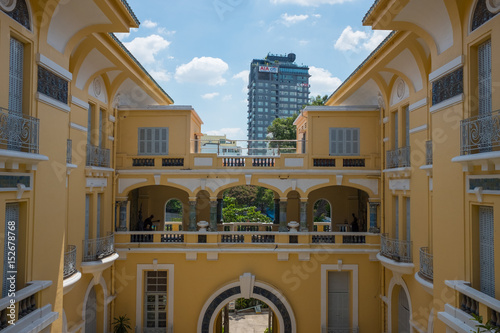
{"points": [[277, 88]]}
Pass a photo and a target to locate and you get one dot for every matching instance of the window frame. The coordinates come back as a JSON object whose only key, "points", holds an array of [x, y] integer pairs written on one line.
{"points": [[334, 144], [162, 142]]}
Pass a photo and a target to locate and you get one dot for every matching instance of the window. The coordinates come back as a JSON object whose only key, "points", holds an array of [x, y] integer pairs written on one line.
{"points": [[486, 251], [396, 130], [155, 307], [396, 217], [16, 76], [153, 141], [484, 76], [344, 141], [408, 222], [407, 126]]}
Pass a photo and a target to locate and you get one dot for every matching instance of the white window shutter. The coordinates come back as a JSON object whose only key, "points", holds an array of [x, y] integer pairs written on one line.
{"points": [[484, 78], [333, 142], [340, 141], [348, 141], [16, 76], [355, 141], [153, 141], [486, 251]]}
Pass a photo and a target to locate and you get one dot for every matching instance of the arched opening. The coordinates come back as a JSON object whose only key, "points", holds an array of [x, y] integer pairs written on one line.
{"points": [[400, 310], [322, 215], [248, 208], [152, 200], [348, 208], [91, 312], [246, 315], [174, 210]]}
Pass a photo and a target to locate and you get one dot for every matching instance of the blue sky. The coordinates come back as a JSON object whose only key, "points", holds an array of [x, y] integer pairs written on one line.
{"points": [[200, 51]]}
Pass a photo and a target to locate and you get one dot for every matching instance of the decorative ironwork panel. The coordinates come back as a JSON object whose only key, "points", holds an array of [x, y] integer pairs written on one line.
{"points": [[172, 162], [354, 239], [98, 157], [141, 238], [12, 181], [398, 250], [481, 15], [232, 238], [354, 163], [488, 184], [52, 85], [318, 239], [143, 162], [428, 152], [262, 238], [448, 86], [426, 263], [70, 261], [19, 132], [98, 248], [399, 158], [172, 238], [480, 134], [324, 162], [69, 151], [21, 14]]}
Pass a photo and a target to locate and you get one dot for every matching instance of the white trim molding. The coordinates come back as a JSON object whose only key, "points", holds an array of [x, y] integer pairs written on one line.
{"points": [[140, 292], [52, 102], [78, 127], [447, 103], [324, 291], [418, 129], [46, 63], [79, 102], [418, 104], [447, 68]]}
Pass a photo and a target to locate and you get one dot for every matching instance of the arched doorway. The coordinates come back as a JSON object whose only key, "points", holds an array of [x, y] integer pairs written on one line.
{"points": [[247, 287], [245, 315], [322, 215], [174, 210], [91, 312]]}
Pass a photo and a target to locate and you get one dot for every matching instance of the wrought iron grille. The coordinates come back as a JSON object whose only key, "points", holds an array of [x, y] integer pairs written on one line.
{"points": [[354, 162], [69, 151], [69, 261], [398, 158], [343, 330], [428, 152], [18, 131], [143, 162], [98, 248], [480, 133], [426, 261], [324, 162], [398, 250], [98, 157]]}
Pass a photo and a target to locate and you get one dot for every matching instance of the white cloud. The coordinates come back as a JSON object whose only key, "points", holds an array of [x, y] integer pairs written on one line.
{"points": [[349, 40], [164, 31], [375, 39], [160, 75], [210, 95], [124, 35], [227, 98], [303, 42], [316, 15], [312, 3], [356, 41], [230, 132], [149, 24], [243, 75], [289, 20], [322, 81], [206, 70], [146, 48]]}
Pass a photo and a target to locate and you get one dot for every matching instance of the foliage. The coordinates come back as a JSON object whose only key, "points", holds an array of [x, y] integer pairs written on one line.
{"points": [[318, 100], [283, 129], [321, 210], [267, 330], [484, 328], [174, 206], [231, 213], [121, 324], [247, 196]]}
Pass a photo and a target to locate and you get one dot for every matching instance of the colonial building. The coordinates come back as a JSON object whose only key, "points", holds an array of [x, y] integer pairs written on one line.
{"points": [[90, 146]]}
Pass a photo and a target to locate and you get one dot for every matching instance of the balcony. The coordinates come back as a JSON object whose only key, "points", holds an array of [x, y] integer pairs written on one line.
{"points": [[425, 275], [480, 142], [469, 301], [98, 157], [396, 254], [19, 135], [70, 273], [398, 158], [98, 254], [28, 314]]}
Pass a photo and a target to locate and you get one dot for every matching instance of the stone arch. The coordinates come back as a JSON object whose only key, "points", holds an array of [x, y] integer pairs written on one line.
{"points": [[104, 291], [480, 13], [397, 283], [19, 11], [247, 287], [166, 203]]}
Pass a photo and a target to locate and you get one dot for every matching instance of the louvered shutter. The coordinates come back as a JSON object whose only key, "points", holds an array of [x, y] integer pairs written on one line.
{"points": [[11, 214], [396, 217], [396, 131], [98, 224], [164, 142], [16, 76], [89, 123], [408, 222], [153, 141], [407, 126], [101, 133], [486, 251], [338, 300], [87, 216], [348, 141], [484, 76], [340, 141], [333, 141], [355, 141]]}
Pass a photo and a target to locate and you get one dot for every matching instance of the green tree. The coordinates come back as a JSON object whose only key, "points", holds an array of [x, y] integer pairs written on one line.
{"points": [[249, 195], [318, 100], [283, 129], [231, 213]]}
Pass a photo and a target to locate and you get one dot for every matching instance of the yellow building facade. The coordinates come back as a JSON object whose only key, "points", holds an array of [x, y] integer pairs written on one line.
{"points": [[91, 147]]}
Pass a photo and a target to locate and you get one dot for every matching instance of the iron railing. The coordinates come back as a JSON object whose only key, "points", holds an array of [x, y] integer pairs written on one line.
{"points": [[398, 250], [98, 157], [69, 261], [226, 147], [428, 152], [426, 263], [398, 158], [69, 151], [19, 132], [480, 133], [98, 248]]}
